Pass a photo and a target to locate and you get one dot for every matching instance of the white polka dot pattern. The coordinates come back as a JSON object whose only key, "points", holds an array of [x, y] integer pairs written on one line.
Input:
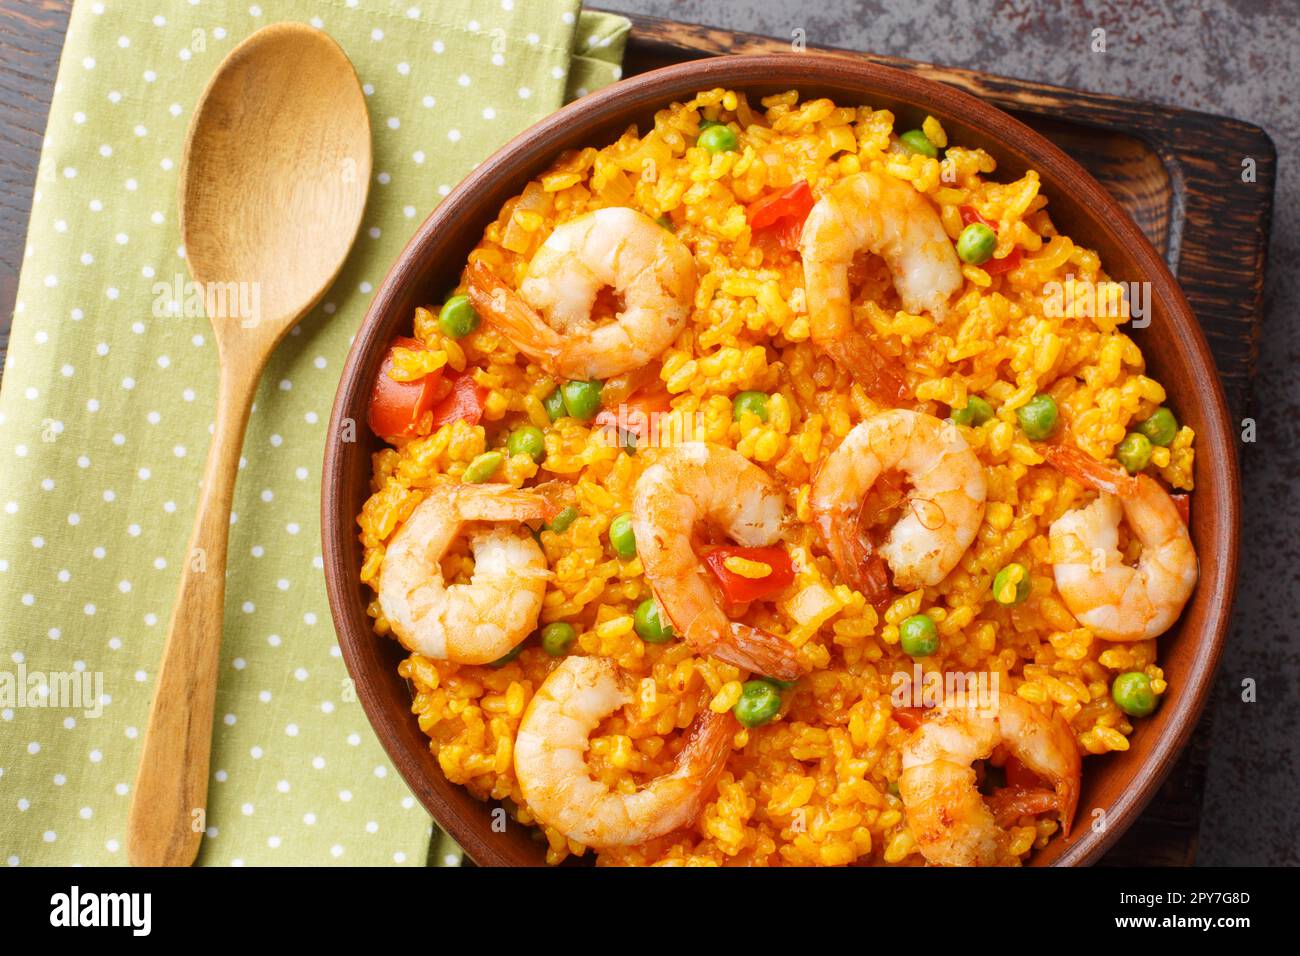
{"points": [[107, 404]]}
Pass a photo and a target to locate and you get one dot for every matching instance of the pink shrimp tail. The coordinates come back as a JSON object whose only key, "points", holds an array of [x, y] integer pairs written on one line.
{"points": [[1067, 795], [486, 292], [753, 650], [1070, 461], [704, 755], [503, 309], [856, 560], [1067, 787], [877, 374], [707, 747]]}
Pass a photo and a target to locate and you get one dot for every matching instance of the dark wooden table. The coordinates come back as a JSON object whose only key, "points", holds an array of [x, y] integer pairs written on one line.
{"points": [[31, 38]]}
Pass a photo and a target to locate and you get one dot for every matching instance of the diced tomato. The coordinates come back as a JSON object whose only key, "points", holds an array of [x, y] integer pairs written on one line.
{"points": [[794, 201], [998, 266], [464, 403], [782, 214], [739, 589], [909, 718], [634, 413], [873, 581], [397, 407], [788, 231], [970, 215], [1184, 505], [994, 266]]}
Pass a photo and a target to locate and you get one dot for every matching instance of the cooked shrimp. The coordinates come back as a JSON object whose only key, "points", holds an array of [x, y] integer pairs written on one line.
{"points": [[552, 770], [687, 486], [880, 214], [1116, 601], [549, 319], [948, 818], [477, 622], [944, 506]]}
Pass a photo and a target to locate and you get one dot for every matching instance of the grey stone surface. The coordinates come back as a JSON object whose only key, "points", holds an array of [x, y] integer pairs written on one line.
{"points": [[1234, 58]]}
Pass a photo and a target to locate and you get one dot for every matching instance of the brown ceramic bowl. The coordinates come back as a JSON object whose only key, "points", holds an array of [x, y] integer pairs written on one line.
{"points": [[1119, 784]]}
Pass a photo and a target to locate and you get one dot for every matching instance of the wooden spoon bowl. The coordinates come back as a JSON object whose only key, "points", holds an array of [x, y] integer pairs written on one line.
{"points": [[1118, 785]]}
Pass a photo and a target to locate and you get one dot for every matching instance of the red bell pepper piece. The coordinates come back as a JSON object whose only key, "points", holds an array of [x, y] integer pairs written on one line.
{"points": [[795, 200], [909, 718], [396, 407], [998, 266], [464, 403], [635, 413], [994, 266], [969, 214], [738, 589], [783, 213], [1184, 505]]}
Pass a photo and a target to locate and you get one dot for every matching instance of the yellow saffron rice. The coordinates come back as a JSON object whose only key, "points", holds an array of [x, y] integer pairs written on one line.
{"points": [[816, 786]]}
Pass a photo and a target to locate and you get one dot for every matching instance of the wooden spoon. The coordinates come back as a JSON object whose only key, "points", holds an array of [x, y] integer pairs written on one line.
{"points": [[273, 185]]}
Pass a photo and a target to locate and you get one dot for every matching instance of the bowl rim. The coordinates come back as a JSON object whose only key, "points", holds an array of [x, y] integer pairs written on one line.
{"points": [[540, 142]]}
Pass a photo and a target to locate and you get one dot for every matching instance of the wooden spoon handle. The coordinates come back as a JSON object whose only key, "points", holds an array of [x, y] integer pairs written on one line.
{"points": [[168, 805]]}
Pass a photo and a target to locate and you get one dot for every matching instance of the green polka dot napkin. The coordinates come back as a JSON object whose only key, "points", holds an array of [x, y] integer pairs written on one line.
{"points": [[107, 401]]}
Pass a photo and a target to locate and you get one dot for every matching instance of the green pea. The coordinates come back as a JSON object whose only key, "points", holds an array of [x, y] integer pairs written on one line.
{"points": [[976, 412], [1160, 428], [527, 440], [649, 624], [508, 656], [915, 141], [1132, 692], [718, 139], [976, 244], [753, 402], [666, 222], [560, 523], [1038, 417], [554, 404], [556, 638], [918, 636], [621, 536], [458, 318], [783, 684], [705, 124], [1134, 452], [759, 702], [1003, 590], [581, 399], [893, 788], [483, 467]]}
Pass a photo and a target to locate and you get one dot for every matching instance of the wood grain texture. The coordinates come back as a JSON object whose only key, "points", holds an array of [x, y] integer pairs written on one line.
{"points": [[169, 799], [270, 202], [31, 38]]}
